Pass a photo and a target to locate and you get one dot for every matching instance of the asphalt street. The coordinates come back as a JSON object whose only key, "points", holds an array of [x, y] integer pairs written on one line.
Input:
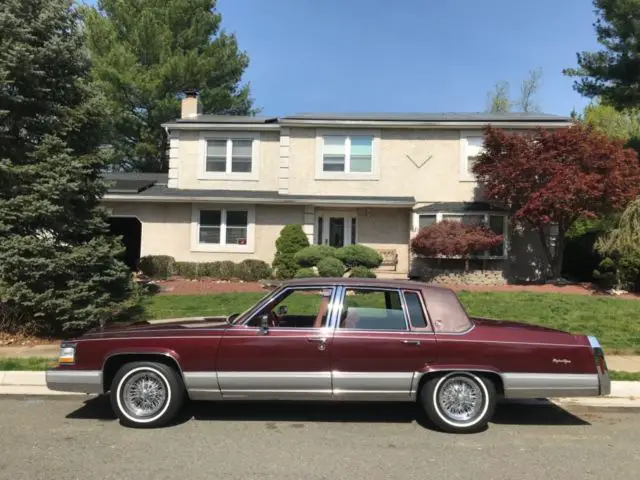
{"points": [[72, 438]]}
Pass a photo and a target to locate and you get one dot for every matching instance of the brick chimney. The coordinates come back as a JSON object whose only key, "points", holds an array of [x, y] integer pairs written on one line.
{"points": [[191, 104]]}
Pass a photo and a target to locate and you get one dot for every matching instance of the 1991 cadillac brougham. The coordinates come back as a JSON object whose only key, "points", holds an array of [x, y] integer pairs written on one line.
{"points": [[338, 339]]}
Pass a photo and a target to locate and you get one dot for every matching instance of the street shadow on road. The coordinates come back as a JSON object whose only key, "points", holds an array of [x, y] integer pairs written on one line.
{"points": [[506, 414]]}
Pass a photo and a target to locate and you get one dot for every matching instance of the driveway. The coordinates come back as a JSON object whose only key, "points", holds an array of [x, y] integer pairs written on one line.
{"points": [[45, 438]]}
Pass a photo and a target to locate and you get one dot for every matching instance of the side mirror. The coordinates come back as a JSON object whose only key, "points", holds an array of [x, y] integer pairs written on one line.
{"points": [[283, 310], [264, 324]]}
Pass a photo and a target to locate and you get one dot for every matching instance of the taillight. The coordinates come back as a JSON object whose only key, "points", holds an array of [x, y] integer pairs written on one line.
{"points": [[598, 355]]}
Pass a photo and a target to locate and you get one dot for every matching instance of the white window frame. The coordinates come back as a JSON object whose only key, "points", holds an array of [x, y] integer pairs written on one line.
{"points": [[465, 175], [253, 175], [347, 175], [196, 246], [485, 255]]}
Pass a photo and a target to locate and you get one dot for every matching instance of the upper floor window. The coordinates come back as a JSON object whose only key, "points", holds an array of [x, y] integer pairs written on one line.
{"points": [[230, 156], [471, 147], [346, 155]]}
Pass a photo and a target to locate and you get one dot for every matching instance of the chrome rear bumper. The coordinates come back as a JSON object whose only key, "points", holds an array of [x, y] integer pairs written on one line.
{"points": [[604, 382]]}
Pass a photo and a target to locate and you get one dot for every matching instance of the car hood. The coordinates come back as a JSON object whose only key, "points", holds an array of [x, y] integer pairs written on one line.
{"points": [[160, 325], [512, 324]]}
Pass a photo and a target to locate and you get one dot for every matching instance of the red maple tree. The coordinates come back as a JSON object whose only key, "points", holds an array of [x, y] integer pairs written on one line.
{"points": [[549, 177], [454, 239]]}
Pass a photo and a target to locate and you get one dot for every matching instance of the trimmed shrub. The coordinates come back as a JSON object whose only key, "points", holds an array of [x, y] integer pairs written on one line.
{"points": [[187, 269], [362, 272], [311, 255], [305, 273], [227, 270], [157, 266], [209, 269], [290, 241], [330, 267], [252, 270], [359, 256]]}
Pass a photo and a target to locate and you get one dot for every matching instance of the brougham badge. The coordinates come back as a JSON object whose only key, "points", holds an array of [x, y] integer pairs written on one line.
{"points": [[561, 360]]}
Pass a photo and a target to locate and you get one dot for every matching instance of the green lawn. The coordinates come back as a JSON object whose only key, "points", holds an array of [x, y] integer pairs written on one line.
{"points": [[615, 322], [26, 363]]}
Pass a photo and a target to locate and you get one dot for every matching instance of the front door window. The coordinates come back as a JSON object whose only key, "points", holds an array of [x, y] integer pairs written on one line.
{"points": [[336, 228], [336, 231]]}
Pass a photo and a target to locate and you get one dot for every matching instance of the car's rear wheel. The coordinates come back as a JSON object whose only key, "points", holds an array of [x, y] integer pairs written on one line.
{"points": [[146, 394], [459, 402]]}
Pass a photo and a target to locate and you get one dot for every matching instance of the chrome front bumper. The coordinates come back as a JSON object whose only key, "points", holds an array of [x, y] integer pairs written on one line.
{"points": [[81, 381]]}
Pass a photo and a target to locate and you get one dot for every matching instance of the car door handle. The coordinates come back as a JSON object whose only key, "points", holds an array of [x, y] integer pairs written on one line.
{"points": [[411, 342], [317, 339]]}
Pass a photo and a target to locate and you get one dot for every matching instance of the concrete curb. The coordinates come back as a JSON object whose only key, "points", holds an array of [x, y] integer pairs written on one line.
{"points": [[624, 395]]}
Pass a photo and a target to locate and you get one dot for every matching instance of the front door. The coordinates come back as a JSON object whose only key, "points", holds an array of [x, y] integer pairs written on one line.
{"points": [[380, 343], [288, 361], [336, 228]]}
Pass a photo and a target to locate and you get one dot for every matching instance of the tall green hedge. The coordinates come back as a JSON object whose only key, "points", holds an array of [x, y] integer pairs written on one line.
{"points": [[291, 240]]}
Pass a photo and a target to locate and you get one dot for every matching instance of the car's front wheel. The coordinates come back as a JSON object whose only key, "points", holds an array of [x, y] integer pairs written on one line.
{"points": [[146, 394], [459, 402]]}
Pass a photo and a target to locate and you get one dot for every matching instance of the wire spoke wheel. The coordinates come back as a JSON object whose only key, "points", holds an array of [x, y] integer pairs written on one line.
{"points": [[460, 399], [144, 394]]}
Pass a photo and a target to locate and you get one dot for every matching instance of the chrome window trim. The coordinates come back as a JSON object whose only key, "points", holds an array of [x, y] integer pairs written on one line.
{"points": [[429, 327], [383, 289], [280, 291]]}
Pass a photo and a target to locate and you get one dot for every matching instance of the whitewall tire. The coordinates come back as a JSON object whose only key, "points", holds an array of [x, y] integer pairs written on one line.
{"points": [[459, 402], [146, 394]]}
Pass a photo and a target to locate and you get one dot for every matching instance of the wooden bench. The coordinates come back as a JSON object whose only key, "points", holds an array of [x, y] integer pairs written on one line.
{"points": [[389, 257]]}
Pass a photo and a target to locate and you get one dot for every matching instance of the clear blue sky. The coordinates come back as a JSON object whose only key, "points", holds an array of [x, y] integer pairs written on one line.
{"points": [[406, 55]]}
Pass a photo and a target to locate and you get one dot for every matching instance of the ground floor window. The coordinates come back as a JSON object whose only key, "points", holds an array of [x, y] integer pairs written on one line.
{"points": [[222, 228], [495, 221], [226, 227]]}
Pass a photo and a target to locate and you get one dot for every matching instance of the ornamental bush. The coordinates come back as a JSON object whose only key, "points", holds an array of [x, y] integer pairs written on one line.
{"points": [[311, 255], [453, 239], [252, 270], [330, 267], [362, 272], [305, 273], [157, 266], [290, 241], [359, 256]]}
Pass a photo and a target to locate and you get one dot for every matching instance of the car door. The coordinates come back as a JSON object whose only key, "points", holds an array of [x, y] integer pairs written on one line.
{"points": [[382, 340], [288, 360]]}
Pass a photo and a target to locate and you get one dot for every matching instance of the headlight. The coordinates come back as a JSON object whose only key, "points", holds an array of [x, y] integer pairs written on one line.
{"points": [[67, 355]]}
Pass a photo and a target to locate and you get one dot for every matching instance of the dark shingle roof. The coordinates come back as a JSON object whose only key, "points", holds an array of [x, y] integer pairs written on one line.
{"points": [[236, 119], [133, 182], [432, 117], [459, 207]]}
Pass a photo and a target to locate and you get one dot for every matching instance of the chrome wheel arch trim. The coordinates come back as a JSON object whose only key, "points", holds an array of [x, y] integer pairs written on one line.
{"points": [[485, 399], [167, 403]]}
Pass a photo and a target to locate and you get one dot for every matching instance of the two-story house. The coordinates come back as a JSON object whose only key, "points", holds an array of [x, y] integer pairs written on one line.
{"points": [[375, 179]]}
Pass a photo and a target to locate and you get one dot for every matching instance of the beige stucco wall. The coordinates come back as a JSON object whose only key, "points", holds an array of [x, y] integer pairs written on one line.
{"points": [[191, 157], [166, 230], [382, 228], [437, 180]]}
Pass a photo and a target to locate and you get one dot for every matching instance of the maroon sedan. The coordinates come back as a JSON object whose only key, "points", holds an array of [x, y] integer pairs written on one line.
{"points": [[339, 340]]}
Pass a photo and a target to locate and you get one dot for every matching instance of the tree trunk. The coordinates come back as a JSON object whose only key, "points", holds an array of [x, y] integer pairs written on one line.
{"points": [[556, 268]]}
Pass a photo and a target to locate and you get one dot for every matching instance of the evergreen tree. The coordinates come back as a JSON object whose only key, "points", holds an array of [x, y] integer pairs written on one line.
{"points": [[612, 72], [145, 53], [58, 268]]}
